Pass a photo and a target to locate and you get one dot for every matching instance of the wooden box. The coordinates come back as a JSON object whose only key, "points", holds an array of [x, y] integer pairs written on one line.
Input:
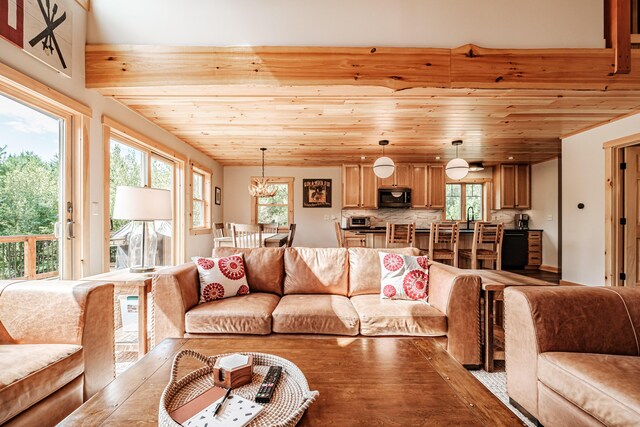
{"points": [[236, 377]]}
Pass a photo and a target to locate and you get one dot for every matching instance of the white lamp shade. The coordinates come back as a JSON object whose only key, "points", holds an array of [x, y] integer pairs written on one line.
{"points": [[142, 204], [457, 169], [383, 167]]}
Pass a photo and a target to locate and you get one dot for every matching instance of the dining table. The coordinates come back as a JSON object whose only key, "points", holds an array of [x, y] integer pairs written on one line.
{"points": [[270, 240]]}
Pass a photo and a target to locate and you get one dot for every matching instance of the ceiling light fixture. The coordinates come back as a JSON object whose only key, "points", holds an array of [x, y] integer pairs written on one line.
{"points": [[383, 167], [437, 157], [261, 186], [476, 167], [510, 157], [457, 168]]}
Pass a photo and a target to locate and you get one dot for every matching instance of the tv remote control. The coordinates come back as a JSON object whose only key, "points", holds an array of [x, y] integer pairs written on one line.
{"points": [[269, 384]]}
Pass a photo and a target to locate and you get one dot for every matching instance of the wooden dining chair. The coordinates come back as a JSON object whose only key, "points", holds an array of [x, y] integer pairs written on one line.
{"points": [[218, 229], [270, 228], [292, 233], [246, 235], [443, 241], [486, 246], [401, 234], [348, 239]]}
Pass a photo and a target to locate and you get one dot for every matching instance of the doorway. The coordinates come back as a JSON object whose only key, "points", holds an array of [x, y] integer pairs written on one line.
{"points": [[36, 208], [630, 244]]}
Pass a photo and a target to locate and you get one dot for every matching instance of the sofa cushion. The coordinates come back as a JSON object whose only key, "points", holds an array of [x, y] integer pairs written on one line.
{"points": [[31, 372], [315, 314], [365, 271], [247, 314], [316, 271], [264, 266], [398, 317], [605, 386]]}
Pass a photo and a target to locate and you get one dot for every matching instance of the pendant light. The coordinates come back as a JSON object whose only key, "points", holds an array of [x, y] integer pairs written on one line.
{"points": [[260, 186], [457, 168], [383, 167]]}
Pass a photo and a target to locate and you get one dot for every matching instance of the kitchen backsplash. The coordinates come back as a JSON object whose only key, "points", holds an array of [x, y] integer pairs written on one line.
{"points": [[422, 218]]}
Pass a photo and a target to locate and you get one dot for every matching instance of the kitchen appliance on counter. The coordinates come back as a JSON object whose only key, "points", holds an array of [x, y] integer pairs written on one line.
{"points": [[356, 221], [394, 197], [522, 221]]}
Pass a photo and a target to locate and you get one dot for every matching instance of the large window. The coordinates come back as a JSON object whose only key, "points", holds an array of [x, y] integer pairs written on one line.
{"points": [[463, 198], [200, 199], [277, 209]]}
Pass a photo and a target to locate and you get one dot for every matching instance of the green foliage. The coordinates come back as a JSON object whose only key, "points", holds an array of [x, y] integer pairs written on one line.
{"points": [[454, 203], [272, 210], [126, 170]]}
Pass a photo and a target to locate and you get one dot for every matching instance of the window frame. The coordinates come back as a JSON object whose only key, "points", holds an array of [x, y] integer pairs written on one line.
{"points": [[486, 198], [290, 197], [207, 175], [113, 130]]}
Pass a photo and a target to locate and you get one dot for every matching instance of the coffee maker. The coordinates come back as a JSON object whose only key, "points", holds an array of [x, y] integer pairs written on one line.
{"points": [[522, 221]]}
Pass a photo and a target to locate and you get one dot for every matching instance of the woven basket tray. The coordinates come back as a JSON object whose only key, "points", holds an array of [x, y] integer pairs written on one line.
{"points": [[291, 397]]}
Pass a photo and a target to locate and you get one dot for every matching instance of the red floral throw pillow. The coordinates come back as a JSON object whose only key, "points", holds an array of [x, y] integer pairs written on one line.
{"points": [[221, 277], [404, 277]]}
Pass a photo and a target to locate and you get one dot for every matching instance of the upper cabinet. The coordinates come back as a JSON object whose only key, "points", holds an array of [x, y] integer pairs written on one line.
{"points": [[428, 186], [401, 177], [512, 186], [359, 187]]}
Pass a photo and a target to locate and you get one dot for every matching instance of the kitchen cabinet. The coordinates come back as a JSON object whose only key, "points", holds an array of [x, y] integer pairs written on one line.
{"points": [[359, 187], [512, 186], [419, 186], [428, 186], [535, 249], [401, 177]]}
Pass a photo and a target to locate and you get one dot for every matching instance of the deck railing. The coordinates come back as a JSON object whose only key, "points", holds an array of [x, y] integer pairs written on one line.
{"points": [[29, 257]]}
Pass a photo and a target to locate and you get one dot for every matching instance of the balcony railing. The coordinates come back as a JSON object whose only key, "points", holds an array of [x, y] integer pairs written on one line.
{"points": [[29, 257]]}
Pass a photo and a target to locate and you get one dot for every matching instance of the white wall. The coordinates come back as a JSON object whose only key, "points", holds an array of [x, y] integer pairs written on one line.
{"points": [[583, 181], [75, 88], [544, 213], [312, 229], [408, 23]]}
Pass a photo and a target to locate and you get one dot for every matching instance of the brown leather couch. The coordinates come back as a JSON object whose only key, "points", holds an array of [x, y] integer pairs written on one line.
{"points": [[321, 291], [573, 355], [56, 348]]}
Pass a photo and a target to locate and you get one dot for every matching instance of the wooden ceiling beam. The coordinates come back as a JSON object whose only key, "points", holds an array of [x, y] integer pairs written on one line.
{"points": [[469, 66]]}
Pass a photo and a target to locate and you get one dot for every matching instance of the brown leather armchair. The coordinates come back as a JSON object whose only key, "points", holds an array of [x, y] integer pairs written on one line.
{"points": [[56, 348], [573, 355]]}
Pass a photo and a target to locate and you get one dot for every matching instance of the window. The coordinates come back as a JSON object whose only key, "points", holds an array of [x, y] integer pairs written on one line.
{"points": [[200, 199], [464, 196], [277, 209]]}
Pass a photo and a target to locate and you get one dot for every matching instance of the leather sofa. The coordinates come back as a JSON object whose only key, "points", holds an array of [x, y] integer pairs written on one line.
{"points": [[573, 355], [333, 291], [56, 348]]}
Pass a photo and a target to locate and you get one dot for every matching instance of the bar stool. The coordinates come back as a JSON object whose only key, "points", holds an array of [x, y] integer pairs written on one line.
{"points": [[485, 234], [349, 240], [445, 235], [401, 234]]}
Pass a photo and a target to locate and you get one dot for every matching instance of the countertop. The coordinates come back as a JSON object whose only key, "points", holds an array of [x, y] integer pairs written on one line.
{"points": [[381, 229]]}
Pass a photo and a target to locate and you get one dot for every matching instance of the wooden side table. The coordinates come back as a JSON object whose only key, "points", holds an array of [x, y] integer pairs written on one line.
{"points": [[124, 280]]}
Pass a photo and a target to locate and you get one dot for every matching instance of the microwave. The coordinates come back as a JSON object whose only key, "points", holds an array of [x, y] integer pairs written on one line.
{"points": [[395, 197], [359, 222]]}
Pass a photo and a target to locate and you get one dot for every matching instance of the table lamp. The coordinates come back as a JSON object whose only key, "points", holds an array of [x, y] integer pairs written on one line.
{"points": [[143, 206]]}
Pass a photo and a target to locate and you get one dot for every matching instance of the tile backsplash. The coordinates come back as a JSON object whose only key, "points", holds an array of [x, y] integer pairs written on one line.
{"points": [[422, 218]]}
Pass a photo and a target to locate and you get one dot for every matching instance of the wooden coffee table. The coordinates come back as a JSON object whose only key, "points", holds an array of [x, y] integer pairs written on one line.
{"points": [[362, 381]]}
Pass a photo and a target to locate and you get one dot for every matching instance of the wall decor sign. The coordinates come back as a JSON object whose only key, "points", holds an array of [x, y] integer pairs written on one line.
{"points": [[316, 193], [218, 196], [42, 28]]}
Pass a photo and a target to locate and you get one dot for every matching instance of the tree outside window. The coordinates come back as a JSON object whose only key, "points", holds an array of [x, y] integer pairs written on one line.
{"points": [[200, 199], [461, 196], [277, 209]]}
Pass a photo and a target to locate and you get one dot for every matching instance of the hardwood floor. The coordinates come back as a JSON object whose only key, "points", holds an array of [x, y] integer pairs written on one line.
{"points": [[539, 274]]}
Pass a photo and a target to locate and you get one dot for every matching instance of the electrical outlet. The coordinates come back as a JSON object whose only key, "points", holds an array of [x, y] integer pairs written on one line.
{"points": [[549, 217]]}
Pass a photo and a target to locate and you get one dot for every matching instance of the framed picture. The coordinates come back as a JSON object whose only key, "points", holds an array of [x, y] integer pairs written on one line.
{"points": [[218, 196], [316, 193]]}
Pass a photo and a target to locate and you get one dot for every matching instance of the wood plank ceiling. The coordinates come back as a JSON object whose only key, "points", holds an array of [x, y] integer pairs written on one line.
{"points": [[329, 106]]}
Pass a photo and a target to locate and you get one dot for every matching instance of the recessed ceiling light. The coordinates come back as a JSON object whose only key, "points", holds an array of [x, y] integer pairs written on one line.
{"points": [[437, 157], [362, 157], [511, 157]]}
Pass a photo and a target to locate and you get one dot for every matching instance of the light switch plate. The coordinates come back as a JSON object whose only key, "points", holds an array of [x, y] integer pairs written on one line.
{"points": [[549, 217], [95, 211]]}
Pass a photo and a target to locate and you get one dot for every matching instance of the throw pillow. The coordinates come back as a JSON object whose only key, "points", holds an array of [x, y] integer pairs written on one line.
{"points": [[404, 277], [221, 277]]}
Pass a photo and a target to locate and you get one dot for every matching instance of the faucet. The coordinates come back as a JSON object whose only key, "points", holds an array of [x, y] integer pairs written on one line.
{"points": [[470, 208]]}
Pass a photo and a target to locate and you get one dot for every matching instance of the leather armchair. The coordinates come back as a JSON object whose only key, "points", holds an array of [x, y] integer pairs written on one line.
{"points": [[57, 348]]}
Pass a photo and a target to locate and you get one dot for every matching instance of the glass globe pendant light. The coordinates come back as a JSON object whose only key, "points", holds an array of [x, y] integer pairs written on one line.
{"points": [[261, 186], [457, 168], [383, 167]]}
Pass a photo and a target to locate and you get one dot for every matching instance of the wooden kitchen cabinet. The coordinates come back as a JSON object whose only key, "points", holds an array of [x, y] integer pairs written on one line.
{"points": [[419, 186], [401, 177], [359, 187], [512, 186], [428, 186]]}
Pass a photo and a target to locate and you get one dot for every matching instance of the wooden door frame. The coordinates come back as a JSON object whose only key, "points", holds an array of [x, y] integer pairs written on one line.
{"points": [[614, 207]]}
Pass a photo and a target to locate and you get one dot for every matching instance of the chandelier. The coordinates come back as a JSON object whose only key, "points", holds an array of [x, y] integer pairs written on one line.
{"points": [[261, 186]]}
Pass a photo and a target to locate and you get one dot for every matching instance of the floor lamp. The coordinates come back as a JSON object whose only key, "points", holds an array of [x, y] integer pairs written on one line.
{"points": [[142, 206]]}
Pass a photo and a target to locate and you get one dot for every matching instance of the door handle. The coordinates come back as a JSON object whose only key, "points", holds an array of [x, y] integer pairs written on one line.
{"points": [[70, 229]]}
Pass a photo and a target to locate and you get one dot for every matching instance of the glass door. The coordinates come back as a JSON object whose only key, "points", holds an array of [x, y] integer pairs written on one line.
{"points": [[36, 213]]}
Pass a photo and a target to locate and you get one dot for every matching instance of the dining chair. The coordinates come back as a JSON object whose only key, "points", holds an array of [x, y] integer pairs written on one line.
{"points": [[270, 228], [246, 235], [348, 239], [218, 229], [443, 241], [292, 233], [485, 234], [401, 234]]}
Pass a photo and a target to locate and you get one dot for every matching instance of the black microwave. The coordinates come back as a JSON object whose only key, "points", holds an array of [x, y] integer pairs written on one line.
{"points": [[396, 197]]}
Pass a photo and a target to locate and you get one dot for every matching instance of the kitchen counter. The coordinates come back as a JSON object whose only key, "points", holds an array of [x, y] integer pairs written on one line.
{"points": [[376, 230]]}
